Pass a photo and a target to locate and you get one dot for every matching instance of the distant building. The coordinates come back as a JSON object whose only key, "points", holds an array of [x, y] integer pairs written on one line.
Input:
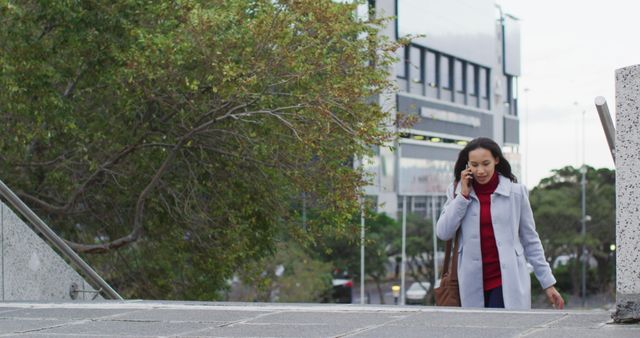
{"points": [[461, 80]]}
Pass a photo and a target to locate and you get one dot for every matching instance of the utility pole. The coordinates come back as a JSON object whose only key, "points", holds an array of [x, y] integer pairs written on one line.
{"points": [[526, 137], [583, 184], [362, 251]]}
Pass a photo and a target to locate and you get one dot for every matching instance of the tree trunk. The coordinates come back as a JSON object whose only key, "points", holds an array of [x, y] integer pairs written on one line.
{"points": [[379, 288]]}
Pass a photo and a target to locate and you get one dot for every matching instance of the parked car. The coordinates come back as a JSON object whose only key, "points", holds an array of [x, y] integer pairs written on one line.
{"points": [[417, 293], [342, 287]]}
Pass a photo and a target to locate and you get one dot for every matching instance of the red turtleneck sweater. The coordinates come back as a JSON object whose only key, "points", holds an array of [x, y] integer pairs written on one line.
{"points": [[490, 259]]}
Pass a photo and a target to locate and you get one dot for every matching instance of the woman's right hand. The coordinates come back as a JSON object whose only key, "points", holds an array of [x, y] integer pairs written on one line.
{"points": [[466, 179], [554, 298]]}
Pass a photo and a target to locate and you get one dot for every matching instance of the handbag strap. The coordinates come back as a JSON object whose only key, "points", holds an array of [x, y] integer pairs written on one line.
{"points": [[454, 263], [448, 259]]}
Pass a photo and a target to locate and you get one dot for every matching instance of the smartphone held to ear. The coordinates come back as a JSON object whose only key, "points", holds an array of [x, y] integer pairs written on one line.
{"points": [[470, 176]]}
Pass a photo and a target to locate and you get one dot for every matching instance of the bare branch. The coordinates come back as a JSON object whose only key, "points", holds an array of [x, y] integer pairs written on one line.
{"points": [[70, 202], [138, 227], [72, 84]]}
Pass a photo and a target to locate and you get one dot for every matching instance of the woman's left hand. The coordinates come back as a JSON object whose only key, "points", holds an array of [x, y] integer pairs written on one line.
{"points": [[554, 297]]}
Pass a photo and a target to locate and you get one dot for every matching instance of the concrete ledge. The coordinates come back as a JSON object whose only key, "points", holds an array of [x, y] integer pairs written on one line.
{"points": [[627, 310], [31, 269]]}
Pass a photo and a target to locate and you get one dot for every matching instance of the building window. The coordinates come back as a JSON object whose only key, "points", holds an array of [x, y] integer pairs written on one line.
{"points": [[458, 72], [401, 65], [472, 76], [419, 203], [440, 201], [434, 203], [484, 82], [415, 68], [431, 70], [509, 88], [445, 74], [514, 95]]}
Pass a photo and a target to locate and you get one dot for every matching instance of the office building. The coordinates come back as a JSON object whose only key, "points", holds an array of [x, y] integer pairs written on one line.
{"points": [[459, 77]]}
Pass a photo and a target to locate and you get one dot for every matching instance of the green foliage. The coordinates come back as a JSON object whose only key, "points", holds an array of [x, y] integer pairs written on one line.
{"points": [[556, 204], [304, 279], [177, 137], [383, 248], [343, 249], [565, 282], [419, 250]]}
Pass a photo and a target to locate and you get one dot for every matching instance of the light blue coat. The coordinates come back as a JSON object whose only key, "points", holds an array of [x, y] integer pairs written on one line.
{"points": [[516, 238]]}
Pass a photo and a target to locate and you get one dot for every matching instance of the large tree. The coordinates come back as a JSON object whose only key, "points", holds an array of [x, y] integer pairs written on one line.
{"points": [[184, 133], [556, 204]]}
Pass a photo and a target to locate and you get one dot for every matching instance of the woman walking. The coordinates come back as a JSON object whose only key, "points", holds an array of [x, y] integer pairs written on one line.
{"points": [[497, 232]]}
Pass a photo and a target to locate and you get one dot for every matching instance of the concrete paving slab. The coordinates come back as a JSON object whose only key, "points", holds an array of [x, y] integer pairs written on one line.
{"points": [[3, 311], [49, 335], [582, 333], [478, 319], [590, 321], [339, 318], [198, 316], [438, 332], [125, 328], [12, 327], [202, 319], [273, 330], [65, 314]]}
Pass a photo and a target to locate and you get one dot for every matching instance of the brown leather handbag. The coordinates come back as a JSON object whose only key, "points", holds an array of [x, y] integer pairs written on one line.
{"points": [[448, 293]]}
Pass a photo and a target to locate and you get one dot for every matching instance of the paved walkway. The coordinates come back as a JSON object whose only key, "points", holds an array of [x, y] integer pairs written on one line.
{"points": [[200, 319]]}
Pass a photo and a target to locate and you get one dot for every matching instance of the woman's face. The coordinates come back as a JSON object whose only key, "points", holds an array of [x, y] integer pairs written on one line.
{"points": [[482, 164]]}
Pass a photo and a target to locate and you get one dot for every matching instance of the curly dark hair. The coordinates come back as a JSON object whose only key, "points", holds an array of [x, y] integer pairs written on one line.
{"points": [[503, 167]]}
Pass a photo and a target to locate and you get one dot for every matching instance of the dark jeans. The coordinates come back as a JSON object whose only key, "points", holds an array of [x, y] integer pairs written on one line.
{"points": [[493, 298]]}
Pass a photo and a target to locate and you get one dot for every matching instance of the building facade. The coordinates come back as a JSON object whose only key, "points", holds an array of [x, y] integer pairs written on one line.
{"points": [[459, 78]]}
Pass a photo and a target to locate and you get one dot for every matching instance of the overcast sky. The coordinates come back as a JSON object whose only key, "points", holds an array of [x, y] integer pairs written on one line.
{"points": [[570, 51]]}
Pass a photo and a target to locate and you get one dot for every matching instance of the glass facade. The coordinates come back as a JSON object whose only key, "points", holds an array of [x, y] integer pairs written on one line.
{"points": [[423, 205], [436, 75], [431, 70], [421, 176], [416, 64], [401, 65]]}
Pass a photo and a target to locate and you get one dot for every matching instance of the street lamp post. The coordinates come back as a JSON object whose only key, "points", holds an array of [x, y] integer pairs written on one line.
{"points": [[404, 248], [526, 136], [435, 240], [583, 233], [362, 252]]}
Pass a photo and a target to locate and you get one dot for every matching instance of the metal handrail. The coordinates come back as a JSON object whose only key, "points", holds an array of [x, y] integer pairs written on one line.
{"points": [[54, 239], [607, 124]]}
